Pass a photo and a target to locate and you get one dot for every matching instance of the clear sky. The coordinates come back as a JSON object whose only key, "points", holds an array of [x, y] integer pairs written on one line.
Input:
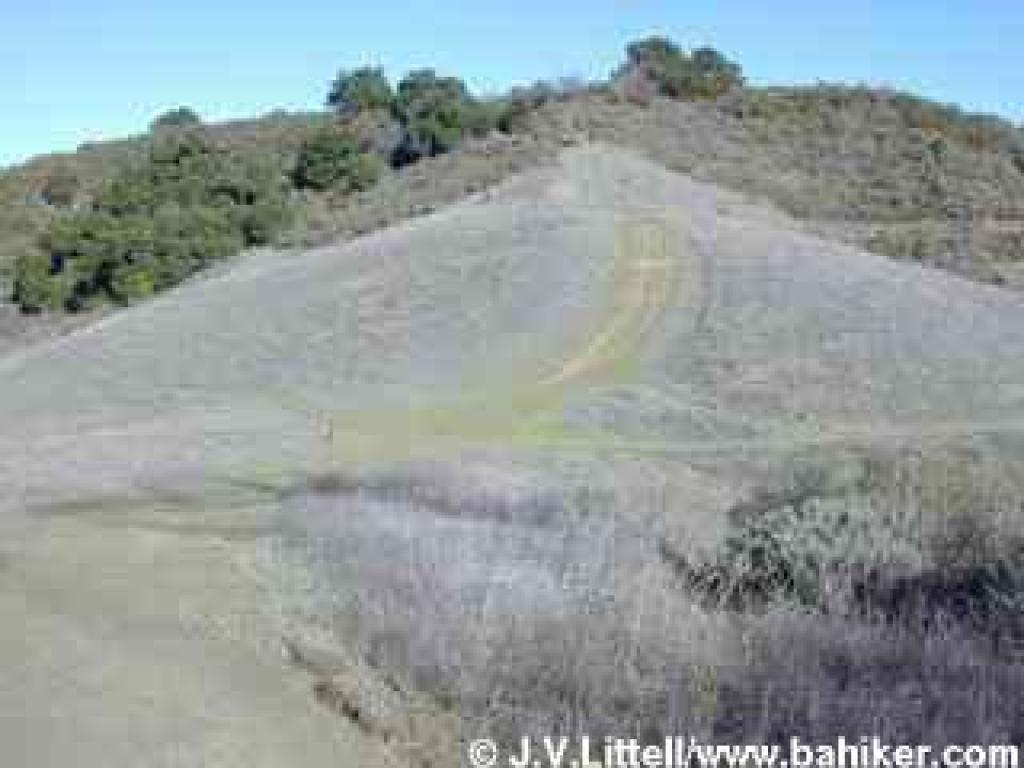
{"points": [[72, 71]]}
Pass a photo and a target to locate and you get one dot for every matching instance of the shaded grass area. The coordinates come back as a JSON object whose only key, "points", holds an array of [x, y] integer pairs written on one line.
{"points": [[882, 602]]}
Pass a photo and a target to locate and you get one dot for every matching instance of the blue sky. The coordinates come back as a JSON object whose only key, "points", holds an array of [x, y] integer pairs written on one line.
{"points": [[72, 71]]}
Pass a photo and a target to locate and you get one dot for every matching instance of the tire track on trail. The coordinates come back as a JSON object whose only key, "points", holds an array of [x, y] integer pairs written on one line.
{"points": [[653, 269], [646, 270]]}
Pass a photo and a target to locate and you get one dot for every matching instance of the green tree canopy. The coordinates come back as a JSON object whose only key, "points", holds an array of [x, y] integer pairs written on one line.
{"points": [[653, 53], [436, 112], [708, 61], [179, 117], [429, 115], [333, 158], [703, 73], [359, 90]]}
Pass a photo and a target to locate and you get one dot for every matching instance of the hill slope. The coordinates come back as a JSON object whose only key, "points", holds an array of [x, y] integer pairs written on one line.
{"points": [[514, 280], [598, 326]]}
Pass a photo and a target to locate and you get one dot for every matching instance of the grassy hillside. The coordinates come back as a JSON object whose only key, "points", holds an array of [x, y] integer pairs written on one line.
{"points": [[888, 171], [602, 429]]}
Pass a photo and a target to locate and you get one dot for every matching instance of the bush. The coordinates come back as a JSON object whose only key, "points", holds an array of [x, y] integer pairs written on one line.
{"points": [[702, 74], [437, 114], [86, 250], [131, 193], [175, 149], [190, 204], [334, 159], [432, 115], [181, 117], [187, 239], [361, 90], [35, 288], [919, 542], [132, 282]]}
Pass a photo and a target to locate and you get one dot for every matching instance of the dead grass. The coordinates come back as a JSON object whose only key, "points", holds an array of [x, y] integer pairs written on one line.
{"points": [[898, 176], [555, 614]]}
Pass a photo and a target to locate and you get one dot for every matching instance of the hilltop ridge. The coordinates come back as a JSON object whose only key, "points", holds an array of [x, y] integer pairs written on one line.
{"points": [[884, 170]]}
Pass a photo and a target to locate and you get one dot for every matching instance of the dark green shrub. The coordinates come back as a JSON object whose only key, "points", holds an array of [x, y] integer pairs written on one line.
{"points": [[433, 115], [708, 61], [702, 74], [130, 193], [85, 251], [334, 159], [187, 239], [437, 114], [181, 117], [175, 150], [360, 90], [35, 287], [190, 204], [653, 53], [132, 282]]}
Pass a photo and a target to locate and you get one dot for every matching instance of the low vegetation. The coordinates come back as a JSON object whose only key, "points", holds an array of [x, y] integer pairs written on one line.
{"points": [[334, 158], [881, 597], [890, 605]]}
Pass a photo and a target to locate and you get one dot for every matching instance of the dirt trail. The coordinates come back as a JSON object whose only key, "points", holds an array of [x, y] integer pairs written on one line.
{"points": [[654, 269], [647, 267]]}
